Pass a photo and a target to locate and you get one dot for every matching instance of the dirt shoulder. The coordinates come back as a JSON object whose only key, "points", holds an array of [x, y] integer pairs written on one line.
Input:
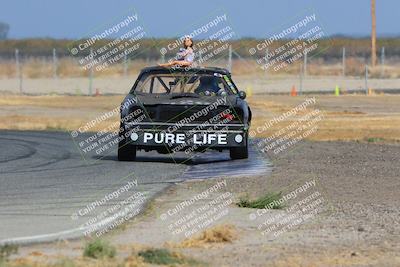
{"points": [[357, 225]]}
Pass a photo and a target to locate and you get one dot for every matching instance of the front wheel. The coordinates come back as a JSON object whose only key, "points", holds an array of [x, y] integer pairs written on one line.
{"points": [[126, 151], [239, 152]]}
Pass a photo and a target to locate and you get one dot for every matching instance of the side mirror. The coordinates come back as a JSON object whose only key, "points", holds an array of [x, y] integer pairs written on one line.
{"points": [[242, 94]]}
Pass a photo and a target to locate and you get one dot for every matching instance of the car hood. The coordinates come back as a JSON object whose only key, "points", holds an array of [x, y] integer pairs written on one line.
{"points": [[145, 100]]}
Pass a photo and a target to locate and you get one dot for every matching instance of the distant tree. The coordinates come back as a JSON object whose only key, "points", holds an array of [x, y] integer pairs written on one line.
{"points": [[4, 28]]}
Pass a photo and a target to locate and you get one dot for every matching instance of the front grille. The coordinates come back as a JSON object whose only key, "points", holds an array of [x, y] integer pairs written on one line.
{"points": [[190, 114]]}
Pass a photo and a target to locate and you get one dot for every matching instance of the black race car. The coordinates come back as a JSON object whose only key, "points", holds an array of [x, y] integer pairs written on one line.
{"points": [[174, 110]]}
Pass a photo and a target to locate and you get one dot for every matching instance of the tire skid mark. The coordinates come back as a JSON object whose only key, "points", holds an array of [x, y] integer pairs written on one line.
{"points": [[211, 165], [33, 148], [30, 150]]}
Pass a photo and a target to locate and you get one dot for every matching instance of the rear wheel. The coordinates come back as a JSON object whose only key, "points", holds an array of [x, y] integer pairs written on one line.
{"points": [[240, 152], [126, 151]]}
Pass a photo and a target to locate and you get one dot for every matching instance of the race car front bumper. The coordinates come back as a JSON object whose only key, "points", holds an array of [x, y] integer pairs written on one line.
{"points": [[199, 136]]}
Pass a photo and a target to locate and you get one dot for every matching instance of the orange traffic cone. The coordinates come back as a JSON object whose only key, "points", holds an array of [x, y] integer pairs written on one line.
{"points": [[293, 92]]}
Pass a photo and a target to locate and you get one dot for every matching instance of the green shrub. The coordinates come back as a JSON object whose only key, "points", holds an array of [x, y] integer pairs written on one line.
{"points": [[160, 256], [6, 251], [99, 249], [262, 202]]}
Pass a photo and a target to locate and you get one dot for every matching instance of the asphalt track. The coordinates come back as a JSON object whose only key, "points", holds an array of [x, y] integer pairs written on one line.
{"points": [[45, 183]]}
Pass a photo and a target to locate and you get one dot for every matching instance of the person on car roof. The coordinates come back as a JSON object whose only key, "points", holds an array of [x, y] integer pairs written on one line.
{"points": [[184, 57]]}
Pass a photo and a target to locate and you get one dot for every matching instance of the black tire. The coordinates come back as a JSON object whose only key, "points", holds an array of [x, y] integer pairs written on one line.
{"points": [[239, 152], [126, 151]]}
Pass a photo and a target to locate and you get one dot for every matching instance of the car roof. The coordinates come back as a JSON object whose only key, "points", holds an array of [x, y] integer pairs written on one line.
{"points": [[201, 70]]}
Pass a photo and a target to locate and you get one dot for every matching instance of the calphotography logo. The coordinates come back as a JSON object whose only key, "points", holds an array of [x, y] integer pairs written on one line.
{"points": [[288, 129], [197, 32], [199, 212], [305, 37], [111, 44], [298, 206]]}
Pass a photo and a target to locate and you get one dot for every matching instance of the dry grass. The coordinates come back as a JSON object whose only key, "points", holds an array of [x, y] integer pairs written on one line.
{"points": [[62, 101], [137, 256], [66, 67], [37, 258], [345, 117], [366, 258], [225, 233], [345, 128], [69, 67], [39, 123], [70, 112], [130, 261]]}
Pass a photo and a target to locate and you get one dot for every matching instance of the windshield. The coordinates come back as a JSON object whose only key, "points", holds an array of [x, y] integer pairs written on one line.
{"points": [[200, 84]]}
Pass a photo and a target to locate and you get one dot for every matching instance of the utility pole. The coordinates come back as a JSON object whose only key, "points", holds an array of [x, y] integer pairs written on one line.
{"points": [[373, 34]]}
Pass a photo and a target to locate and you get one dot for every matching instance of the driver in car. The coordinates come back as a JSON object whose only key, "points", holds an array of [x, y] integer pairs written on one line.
{"points": [[209, 86]]}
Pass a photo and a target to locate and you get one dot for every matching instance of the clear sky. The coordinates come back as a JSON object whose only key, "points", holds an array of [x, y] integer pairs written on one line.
{"points": [[166, 18]]}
